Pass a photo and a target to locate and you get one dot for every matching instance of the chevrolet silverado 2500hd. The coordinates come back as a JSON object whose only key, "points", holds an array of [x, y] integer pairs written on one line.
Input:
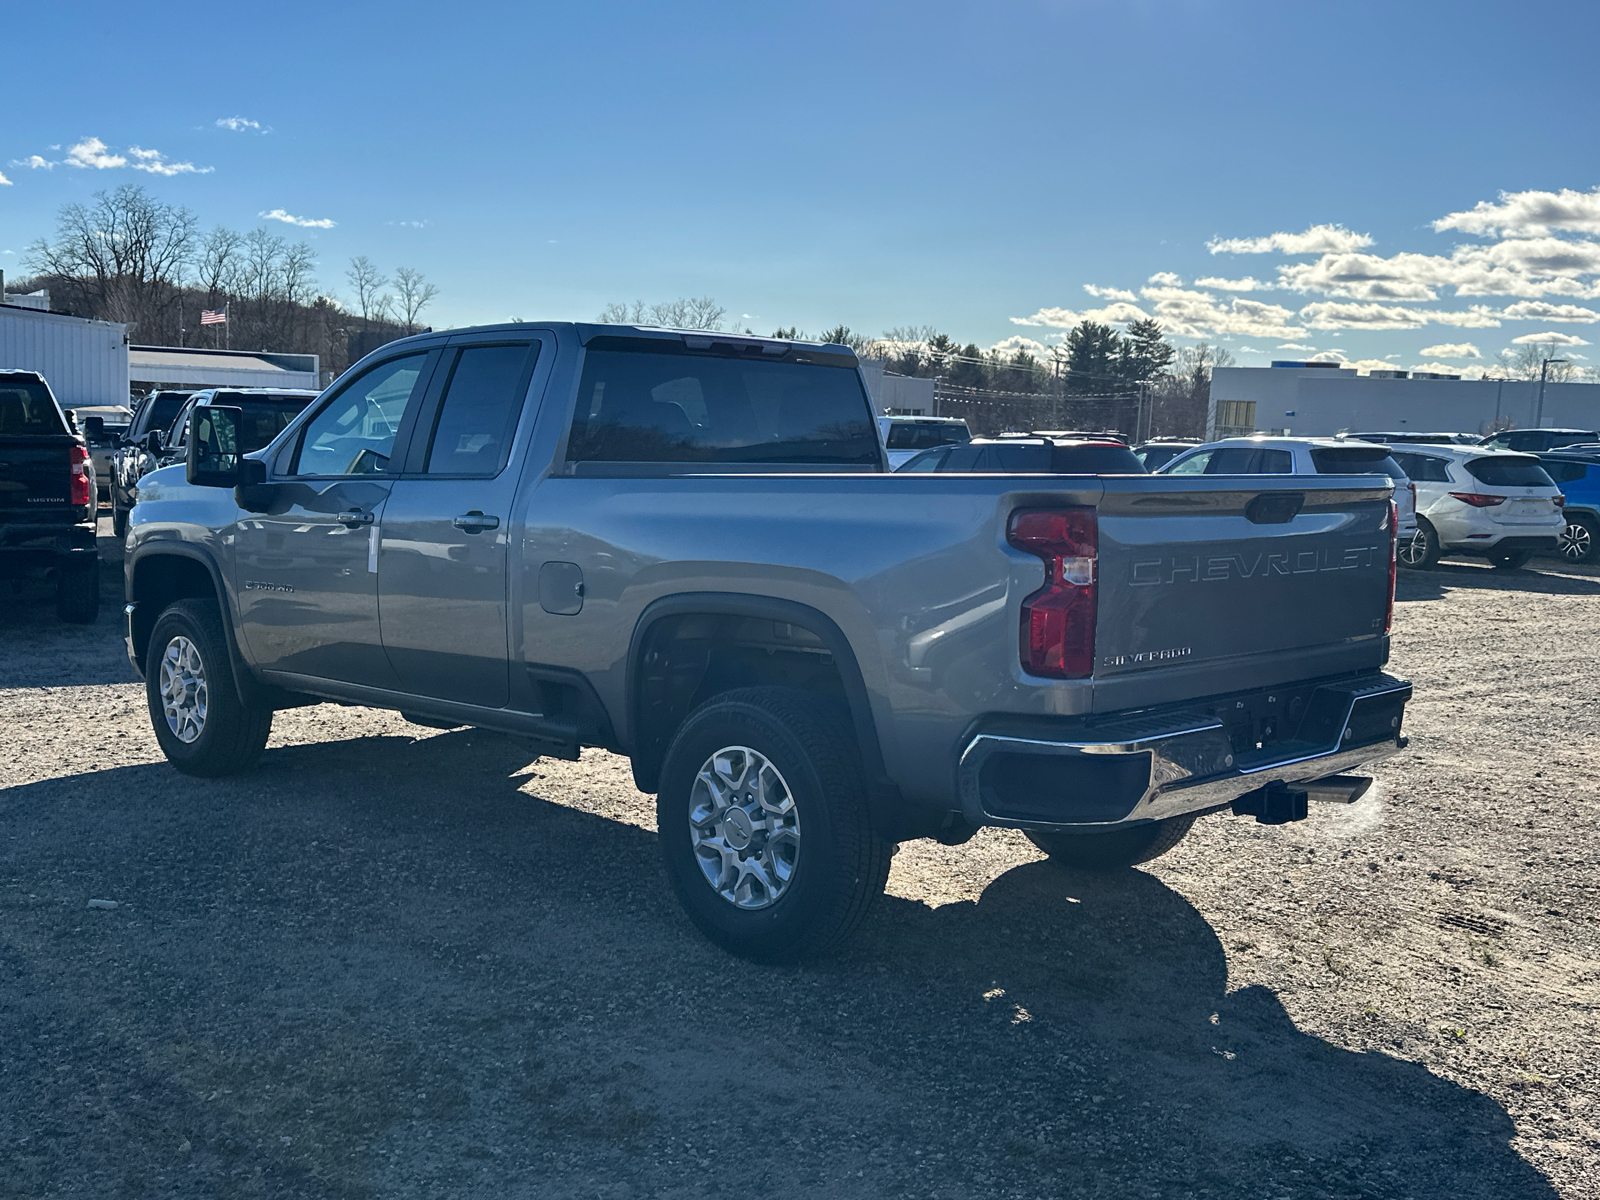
{"points": [[685, 547]]}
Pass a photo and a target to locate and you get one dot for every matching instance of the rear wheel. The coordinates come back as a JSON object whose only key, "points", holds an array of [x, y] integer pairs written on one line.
{"points": [[1580, 540], [1510, 560], [1421, 550], [1113, 849], [203, 727], [764, 825]]}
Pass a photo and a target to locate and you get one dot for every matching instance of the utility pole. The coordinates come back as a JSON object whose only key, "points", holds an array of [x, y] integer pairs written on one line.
{"points": [[1544, 370]]}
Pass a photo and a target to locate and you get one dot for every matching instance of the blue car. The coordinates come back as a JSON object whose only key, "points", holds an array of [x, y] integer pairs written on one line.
{"points": [[1578, 477]]}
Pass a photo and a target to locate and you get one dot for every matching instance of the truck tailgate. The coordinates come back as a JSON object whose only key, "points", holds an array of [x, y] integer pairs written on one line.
{"points": [[1200, 573], [35, 473]]}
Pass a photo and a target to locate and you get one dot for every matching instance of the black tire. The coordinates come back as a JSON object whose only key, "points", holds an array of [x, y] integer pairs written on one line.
{"points": [[231, 736], [1421, 553], [1580, 541], [1113, 849], [842, 864], [78, 594], [1509, 560], [119, 518]]}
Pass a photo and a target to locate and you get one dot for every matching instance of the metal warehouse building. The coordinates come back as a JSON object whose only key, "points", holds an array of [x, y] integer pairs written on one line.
{"points": [[85, 362], [1319, 399], [151, 367]]}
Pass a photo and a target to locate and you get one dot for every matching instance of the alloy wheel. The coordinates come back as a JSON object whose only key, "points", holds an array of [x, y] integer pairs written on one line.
{"points": [[183, 689], [744, 827], [1576, 542]]}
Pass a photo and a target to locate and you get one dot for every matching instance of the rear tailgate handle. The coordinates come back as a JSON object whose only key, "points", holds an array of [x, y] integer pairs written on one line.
{"points": [[475, 522], [1274, 508]]}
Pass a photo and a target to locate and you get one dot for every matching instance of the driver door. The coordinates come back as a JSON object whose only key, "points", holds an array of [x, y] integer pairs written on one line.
{"points": [[306, 570]]}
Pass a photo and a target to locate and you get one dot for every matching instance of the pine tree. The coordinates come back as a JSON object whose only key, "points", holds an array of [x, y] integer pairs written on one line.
{"points": [[1144, 352], [1093, 354]]}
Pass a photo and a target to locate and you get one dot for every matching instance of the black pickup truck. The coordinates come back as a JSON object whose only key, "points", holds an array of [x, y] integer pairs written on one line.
{"points": [[47, 497]]}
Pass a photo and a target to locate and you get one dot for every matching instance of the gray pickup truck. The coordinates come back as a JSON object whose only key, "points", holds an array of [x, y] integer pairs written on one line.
{"points": [[687, 548]]}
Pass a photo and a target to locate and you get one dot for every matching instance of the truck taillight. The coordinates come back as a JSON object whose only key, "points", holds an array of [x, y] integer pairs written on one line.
{"points": [[79, 458], [1058, 620], [1394, 564]]}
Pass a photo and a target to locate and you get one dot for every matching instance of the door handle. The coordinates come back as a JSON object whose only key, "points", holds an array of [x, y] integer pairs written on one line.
{"points": [[354, 516], [475, 522]]}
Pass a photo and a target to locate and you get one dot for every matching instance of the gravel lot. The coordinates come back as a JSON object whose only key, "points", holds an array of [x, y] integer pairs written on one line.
{"points": [[394, 962]]}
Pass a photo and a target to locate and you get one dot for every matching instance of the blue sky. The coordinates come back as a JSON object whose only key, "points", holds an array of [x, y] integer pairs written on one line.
{"points": [[970, 167]]}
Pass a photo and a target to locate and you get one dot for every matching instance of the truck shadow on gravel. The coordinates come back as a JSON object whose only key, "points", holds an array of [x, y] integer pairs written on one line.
{"points": [[1537, 579], [380, 967]]}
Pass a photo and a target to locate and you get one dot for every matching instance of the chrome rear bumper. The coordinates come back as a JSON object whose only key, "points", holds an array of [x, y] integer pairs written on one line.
{"points": [[1154, 766]]}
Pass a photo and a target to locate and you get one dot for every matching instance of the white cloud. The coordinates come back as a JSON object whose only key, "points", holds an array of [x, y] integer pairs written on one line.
{"points": [[1187, 313], [425, 224], [1249, 350], [279, 214], [1165, 279], [1319, 239], [1331, 314], [1231, 285], [154, 162], [1438, 368], [1529, 214], [1479, 316], [1552, 338], [1296, 346], [237, 124], [4, 182], [1338, 356], [1110, 293], [34, 162], [1119, 313], [1531, 310], [1009, 346], [1453, 350], [92, 153], [1363, 366]]}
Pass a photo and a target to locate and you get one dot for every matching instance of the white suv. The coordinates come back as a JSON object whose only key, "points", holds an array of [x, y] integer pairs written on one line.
{"points": [[1302, 456], [1496, 504]]}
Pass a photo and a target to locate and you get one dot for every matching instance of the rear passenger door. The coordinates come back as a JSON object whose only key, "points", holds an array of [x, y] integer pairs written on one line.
{"points": [[442, 562]]}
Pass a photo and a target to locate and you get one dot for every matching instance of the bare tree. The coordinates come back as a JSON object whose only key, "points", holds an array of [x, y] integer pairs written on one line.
{"points": [[219, 261], [688, 312], [415, 294], [1526, 362], [123, 258], [368, 282]]}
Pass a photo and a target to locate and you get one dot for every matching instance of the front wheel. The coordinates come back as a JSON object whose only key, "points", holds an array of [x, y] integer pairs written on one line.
{"points": [[201, 724], [1113, 849], [1420, 551], [1510, 560], [1580, 540], [764, 825]]}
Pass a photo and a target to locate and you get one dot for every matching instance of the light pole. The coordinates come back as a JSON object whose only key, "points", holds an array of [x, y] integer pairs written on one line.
{"points": [[1544, 370]]}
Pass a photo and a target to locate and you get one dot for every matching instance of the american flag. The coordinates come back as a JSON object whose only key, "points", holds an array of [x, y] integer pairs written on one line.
{"points": [[214, 316]]}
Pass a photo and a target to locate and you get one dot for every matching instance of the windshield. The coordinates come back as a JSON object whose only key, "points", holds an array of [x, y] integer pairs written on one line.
{"points": [[1509, 472], [26, 407], [645, 405], [925, 435], [1355, 460]]}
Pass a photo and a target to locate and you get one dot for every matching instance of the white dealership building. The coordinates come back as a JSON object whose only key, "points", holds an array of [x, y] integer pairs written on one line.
{"points": [[1316, 399]]}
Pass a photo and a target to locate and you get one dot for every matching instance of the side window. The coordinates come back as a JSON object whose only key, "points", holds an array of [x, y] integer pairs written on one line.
{"points": [[1275, 462], [354, 432], [1238, 460], [1195, 464], [479, 411], [1565, 472], [964, 458]]}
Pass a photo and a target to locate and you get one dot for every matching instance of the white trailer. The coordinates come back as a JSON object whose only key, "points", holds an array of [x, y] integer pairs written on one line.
{"points": [[85, 362]]}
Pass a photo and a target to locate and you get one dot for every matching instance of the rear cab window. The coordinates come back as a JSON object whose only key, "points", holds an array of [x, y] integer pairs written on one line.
{"points": [[1498, 471], [924, 435], [660, 401], [26, 407]]}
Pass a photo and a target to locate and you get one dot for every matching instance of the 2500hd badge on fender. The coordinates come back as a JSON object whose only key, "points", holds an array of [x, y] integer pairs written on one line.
{"points": [[686, 548]]}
